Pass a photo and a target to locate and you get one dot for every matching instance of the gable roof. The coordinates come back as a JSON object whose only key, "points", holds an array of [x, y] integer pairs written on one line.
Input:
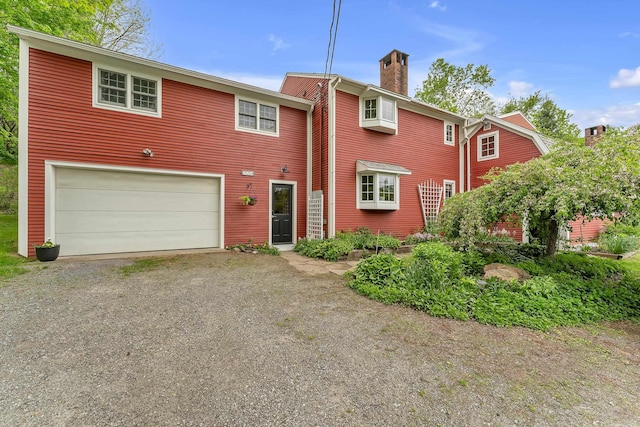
{"points": [[541, 142], [357, 88], [92, 53], [517, 118]]}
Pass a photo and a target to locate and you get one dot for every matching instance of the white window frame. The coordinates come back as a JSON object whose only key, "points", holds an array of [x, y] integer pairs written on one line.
{"points": [[447, 140], [258, 103], [452, 184], [128, 107], [376, 203], [496, 143], [379, 123]]}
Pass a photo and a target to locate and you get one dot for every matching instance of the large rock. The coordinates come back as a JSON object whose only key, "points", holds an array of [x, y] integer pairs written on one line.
{"points": [[505, 272]]}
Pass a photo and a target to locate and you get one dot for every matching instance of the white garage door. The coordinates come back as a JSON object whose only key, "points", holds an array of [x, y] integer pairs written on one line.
{"points": [[113, 211]]}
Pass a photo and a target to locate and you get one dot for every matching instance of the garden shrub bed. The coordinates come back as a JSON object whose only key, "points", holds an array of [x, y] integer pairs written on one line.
{"points": [[568, 289]]}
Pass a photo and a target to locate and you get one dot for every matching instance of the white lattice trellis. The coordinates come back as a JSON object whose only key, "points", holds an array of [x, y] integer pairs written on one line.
{"points": [[315, 212], [430, 198]]}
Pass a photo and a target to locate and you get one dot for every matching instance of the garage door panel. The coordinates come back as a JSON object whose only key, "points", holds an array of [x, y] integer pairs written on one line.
{"points": [[98, 243], [71, 199], [112, 222], [99, 211], [112, 180]]}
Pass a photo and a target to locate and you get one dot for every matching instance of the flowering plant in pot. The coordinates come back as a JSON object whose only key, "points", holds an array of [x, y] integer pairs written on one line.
{"points": [[48, 251], [249, 200]]}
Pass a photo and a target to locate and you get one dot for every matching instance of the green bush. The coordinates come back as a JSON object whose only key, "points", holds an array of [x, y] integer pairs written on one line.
{"points": [[568, 289], [434, 264], [618, 243], [345, 241], [9, 189]]}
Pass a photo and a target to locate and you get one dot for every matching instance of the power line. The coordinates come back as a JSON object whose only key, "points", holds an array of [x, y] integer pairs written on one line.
{"points": [[335, 18]]}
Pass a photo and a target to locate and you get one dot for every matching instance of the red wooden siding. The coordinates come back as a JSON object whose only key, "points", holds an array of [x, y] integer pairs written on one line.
{"points": [[196, 133], [418, 146], [518, 119], [585, 232], [512, 148], [307, 87]]}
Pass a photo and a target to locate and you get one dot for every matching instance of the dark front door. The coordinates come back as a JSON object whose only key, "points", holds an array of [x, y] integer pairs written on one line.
{"points": [[281, 213]]}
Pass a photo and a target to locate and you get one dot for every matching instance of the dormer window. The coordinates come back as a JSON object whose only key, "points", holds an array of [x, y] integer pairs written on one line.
{"points": [[379, 113]]}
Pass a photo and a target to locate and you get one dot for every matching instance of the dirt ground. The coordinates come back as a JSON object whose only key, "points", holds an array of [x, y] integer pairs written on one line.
{"points": [[234, 339]]}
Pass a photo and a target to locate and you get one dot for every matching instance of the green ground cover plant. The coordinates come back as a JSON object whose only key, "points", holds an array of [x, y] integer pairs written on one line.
{"points": [[344, 242], [568, 289]]}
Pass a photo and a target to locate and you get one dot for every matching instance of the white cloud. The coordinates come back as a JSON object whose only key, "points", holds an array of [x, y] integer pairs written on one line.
{"points": [[626, 78], [615, 115], [519, 88], [437, 5], [277, 43], [629, 34]]}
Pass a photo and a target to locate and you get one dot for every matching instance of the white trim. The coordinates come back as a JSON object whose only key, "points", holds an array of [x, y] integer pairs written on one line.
{"points": [[376, 203], [309, 154], [294, 209], [496, 145], [468, 166], [50, 187], [92, 53], [258, 104], [453, 136], [23, 151], [486, 126], [96, 67], [331, 167]]}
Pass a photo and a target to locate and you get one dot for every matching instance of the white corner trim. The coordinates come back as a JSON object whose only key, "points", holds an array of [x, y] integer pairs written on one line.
{"points": [[294, 209], [309, 156], [331, 169], [23, 151]]}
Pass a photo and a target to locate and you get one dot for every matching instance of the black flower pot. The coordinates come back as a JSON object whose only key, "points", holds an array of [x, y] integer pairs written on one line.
{"points": [[45, 254]]}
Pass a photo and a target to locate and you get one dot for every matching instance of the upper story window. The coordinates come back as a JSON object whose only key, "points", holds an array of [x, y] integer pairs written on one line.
{"points": [[488, 146], [123, 91], [255, 116], [379, 113], [448, 133]]}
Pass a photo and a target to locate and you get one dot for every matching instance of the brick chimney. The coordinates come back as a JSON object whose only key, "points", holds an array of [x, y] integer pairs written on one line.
{"points": [[592, 134], [394, 72]]}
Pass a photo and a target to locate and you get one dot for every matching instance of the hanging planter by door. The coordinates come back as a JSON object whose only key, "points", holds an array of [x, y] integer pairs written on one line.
{"points": [[249, 199]]}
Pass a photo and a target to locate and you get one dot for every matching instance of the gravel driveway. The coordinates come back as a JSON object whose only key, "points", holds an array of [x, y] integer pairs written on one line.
{"points": [[232, 339]]}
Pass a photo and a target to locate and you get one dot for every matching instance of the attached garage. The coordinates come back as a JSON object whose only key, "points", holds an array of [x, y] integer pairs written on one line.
{"points": [[112, 211]]}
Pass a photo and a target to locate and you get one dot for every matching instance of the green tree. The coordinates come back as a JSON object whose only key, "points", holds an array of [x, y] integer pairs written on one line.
{"points": [[117, 24], [60, 18], [123, 26], [549, 119], [462, 90], [570, 182]]}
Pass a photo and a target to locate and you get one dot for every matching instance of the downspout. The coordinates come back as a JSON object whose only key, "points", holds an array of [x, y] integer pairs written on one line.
{"points": [[468, 165], [331, 167]]}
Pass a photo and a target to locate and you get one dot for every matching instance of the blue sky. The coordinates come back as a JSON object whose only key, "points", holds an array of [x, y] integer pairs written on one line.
{"points": [[585, 54]]}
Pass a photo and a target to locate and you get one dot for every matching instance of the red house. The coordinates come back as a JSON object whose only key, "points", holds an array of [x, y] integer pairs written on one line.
{"points": [[123, 154]]}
